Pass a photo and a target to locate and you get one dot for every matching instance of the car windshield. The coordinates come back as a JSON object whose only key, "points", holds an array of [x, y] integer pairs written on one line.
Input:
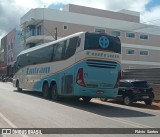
{"points": [[140, 84]]}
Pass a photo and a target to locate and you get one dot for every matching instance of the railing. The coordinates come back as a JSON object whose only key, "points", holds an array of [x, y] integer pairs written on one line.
{"points": [[34, 32]]}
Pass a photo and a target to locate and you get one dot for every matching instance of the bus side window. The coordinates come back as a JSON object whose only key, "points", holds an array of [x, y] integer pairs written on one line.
{"points": [[58, 52], [71, 47], [53, 52], [79, 42], [22, 61], [64, 49], [42, 55]]}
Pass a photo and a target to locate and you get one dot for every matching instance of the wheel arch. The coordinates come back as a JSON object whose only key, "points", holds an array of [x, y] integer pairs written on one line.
{"points": [[45, 81], [53, 82], [17, 82]]}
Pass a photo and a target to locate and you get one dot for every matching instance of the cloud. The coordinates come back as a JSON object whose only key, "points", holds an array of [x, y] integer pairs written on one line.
{"points": [[151, 16], [12, 10]]}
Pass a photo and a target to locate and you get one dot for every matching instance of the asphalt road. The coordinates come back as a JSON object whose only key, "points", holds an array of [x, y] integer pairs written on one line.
{"points": [[30, 110]]}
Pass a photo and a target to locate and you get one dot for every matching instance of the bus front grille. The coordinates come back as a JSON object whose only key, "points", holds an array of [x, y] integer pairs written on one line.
{"points": [[101, 63]]}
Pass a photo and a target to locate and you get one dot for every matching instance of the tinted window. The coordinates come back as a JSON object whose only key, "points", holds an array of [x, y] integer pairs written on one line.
{"points": [[22, 61], [140, 84], [39, 56], [121, 84], [125, 84], [58, 49], [42, 55], [102, 42], [71, 46]]}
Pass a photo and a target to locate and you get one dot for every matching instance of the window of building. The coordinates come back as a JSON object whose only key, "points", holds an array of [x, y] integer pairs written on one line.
{"points": [[144, 52], [11, 45], [8, 59], [11, 59], [143, 36], [39, 29], [65, 27], [100, 30], [130, 35], [115, 33], [130, 51]]}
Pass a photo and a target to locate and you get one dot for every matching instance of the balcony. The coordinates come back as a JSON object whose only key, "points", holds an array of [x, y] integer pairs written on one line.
{"points": [[37, 36]]}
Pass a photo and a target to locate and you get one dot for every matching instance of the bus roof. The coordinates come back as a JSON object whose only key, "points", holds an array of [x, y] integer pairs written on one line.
{"points": [[48, 43]]}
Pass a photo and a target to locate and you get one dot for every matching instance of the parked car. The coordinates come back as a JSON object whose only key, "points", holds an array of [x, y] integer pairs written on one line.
{"points": [[133, 91]]}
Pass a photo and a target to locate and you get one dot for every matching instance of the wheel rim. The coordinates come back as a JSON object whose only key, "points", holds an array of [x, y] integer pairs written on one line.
{"points": [[126, 101]]}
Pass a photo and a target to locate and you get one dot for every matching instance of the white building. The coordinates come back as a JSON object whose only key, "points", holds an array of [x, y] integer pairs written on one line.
{"points": [[140, 42]]}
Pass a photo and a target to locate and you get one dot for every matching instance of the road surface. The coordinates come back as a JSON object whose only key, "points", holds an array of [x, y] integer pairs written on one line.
{"points": [[29, 110]]}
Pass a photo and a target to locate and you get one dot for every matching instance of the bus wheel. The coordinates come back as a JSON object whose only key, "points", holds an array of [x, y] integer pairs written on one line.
{"points": [[54, 92], [86, 99], [45, 91], [18, 88]]}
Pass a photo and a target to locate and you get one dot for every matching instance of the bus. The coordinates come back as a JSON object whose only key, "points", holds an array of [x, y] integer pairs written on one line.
{"points": [[83, 65]]}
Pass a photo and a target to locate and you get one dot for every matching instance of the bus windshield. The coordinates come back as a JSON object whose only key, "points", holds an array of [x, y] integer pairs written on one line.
{"points": [[102, 42]]}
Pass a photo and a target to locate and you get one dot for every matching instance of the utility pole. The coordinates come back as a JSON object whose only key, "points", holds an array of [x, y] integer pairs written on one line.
{"points": [[55, 33]]}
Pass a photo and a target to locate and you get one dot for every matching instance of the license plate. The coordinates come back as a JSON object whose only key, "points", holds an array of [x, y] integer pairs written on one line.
{"points": [[145, 97]]}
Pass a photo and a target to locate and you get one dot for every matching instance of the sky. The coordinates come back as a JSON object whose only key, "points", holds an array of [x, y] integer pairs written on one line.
{"points": [[12, 10]]}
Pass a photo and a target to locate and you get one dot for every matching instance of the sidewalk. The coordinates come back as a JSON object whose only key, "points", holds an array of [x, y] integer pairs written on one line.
{"points": [[157, 103]]}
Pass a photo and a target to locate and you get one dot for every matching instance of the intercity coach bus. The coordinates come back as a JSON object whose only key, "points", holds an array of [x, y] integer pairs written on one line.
{"points": [[83, 65]]}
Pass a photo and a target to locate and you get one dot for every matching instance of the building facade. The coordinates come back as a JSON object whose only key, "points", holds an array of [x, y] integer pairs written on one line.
{"points": [[140, 42], [3, 56], [11, 46]]}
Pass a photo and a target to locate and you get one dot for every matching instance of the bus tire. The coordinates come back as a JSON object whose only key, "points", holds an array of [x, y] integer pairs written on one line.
{"points": [[54, 93], [86, 99], [45, 91], [18, 88]]}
